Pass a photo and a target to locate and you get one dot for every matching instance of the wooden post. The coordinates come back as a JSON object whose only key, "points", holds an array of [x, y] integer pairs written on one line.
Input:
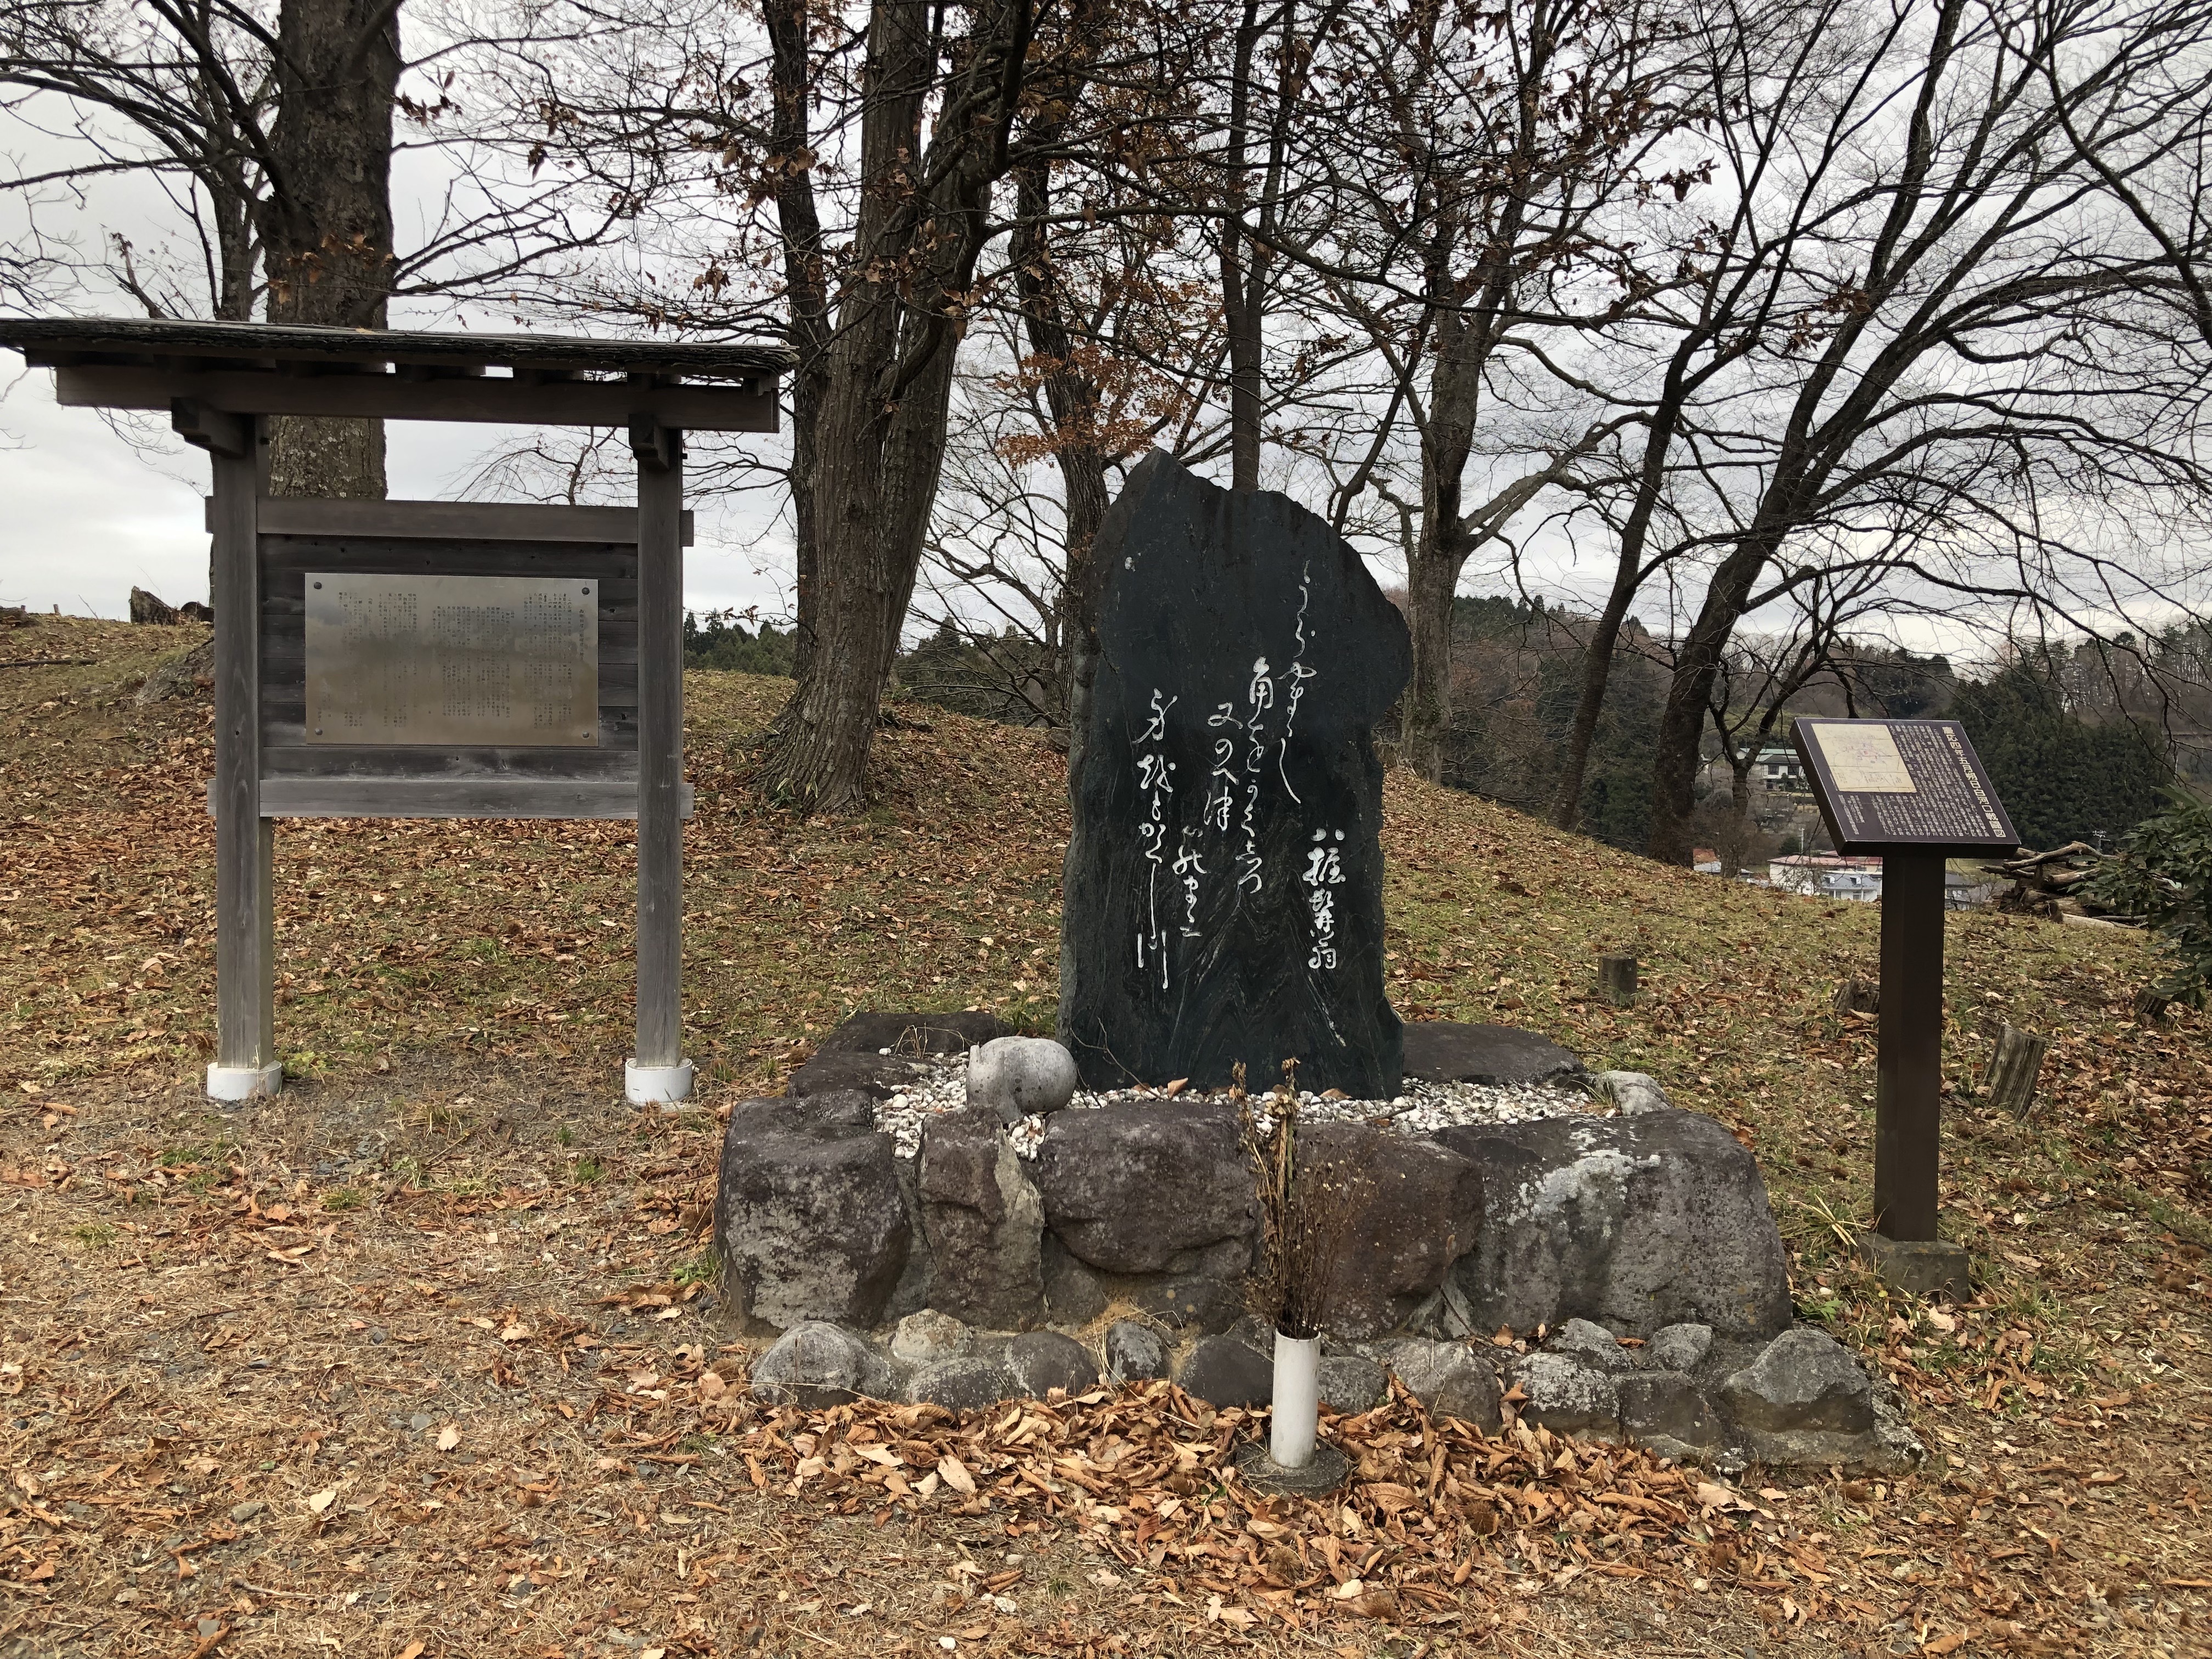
{"points": [[1616, 979], [1858, 996], [246, 1063], [2015, 1065], [657, 1072], [1909, 1063]]}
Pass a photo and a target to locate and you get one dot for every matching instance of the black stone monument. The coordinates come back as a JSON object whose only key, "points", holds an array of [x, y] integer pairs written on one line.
{"points": [[1224, 883]]}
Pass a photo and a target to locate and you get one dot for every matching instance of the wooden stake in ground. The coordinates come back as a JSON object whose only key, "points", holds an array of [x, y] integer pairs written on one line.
{"points": [[1616, 979], [2015, 1065], [1858, 996]]}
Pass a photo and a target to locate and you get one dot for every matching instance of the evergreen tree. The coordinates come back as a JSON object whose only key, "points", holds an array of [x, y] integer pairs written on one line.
{"points": [[719, 640], [2059, 777]]}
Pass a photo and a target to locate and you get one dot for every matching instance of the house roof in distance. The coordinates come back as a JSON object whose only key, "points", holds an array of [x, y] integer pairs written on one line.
{"points": [[70, 342]]}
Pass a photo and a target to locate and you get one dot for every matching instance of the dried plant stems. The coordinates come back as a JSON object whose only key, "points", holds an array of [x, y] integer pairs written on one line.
{"points": [[1305, 1214]]}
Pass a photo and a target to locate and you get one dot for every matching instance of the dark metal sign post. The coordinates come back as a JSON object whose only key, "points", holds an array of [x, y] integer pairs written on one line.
{"points": [[1913, 794], [491, 697]]}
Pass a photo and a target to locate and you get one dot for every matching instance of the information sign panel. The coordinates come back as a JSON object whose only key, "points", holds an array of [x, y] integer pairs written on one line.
{"points": [[455, 660], [1903, 786]]}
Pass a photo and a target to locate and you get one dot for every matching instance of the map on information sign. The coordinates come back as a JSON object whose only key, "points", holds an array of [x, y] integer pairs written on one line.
{"points": [[1912, 786]]}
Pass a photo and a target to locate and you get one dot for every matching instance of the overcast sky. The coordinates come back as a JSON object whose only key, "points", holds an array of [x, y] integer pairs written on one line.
{"points": [[86, 515]]}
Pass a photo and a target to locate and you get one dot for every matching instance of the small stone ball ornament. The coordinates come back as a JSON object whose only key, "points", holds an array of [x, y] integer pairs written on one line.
{"points": [[1019, 1077]]}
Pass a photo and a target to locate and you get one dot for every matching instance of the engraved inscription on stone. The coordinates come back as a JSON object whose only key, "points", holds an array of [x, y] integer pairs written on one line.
{"points": [[453, 659], [1903, 782]]}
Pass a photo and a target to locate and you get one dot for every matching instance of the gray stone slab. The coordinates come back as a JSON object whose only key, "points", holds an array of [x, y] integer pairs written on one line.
{"points": [[1448, 1051]]}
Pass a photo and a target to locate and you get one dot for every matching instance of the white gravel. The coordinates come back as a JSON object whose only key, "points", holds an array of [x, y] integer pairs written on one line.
{"points": [[1422, 1109]]}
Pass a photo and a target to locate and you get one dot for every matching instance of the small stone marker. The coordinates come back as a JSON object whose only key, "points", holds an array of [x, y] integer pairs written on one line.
{"points": [[1223, 884]]}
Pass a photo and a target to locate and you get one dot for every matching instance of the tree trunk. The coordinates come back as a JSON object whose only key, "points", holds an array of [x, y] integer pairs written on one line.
{"points": [[1740, 799], [1628, 574], [2009, 1084], [1590, 705], [1424, 710], [1440, 547], [877, 489], [880, 433], [1242, 302], [326, 223], [1072, 400], [806, 273], [1682, 722]]}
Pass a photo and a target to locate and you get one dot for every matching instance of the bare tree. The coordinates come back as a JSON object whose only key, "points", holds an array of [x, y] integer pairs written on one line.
{"points": [[1981, 351], [271, 129], [921, 226], [178, 90], [1486, 175]]}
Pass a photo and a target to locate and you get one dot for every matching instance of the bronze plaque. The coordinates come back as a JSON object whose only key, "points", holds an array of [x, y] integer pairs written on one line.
{"points": [[1909, 785], [453, 659]]}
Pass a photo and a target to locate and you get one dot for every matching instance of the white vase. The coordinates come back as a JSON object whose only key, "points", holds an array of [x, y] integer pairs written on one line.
{"points": [[1297, 1400]]}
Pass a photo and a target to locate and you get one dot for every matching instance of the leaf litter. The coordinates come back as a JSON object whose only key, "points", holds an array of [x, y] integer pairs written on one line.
{"points": [[447, 1226]]}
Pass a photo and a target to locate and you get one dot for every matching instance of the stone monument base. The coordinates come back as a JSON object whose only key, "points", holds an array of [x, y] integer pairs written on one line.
{"points": [[1116, 1242]]}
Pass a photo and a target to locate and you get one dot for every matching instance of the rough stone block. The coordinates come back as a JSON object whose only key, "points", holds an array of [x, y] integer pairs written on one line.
{"points": [[1803, 1380], [1678, 1347], [1150, 1187], [809, 1214], [924, 1337], [1416, 1208], [878, 1077], [1187, 1301], [1074, 1293], [1668, 1413], [818, 1365], [1568, 1395], [1593, 1344], [1351, 1384], [1630, 1092], [984, 1221], [1223, 1371], [1634, 1222], [1134, 1352], [963, 1382], [1449, 1378], [1041, 1361], [1449, 1051], [914, 1035]]}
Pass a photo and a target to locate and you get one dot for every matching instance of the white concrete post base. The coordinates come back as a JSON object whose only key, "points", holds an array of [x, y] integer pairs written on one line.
{"points": [[244, 1082], [656, 1085]]}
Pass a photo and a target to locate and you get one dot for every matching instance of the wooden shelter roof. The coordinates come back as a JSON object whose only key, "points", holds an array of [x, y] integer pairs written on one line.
{"points": [[66, 342], [223, 370]]}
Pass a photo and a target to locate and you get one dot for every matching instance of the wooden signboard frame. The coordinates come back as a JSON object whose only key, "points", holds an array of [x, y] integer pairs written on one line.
{"points": [[221, 382], [1913, 794]]}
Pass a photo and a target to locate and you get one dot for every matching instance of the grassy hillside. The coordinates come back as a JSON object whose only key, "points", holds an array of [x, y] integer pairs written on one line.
{"points": [[455, 1003], [515, 937]]}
